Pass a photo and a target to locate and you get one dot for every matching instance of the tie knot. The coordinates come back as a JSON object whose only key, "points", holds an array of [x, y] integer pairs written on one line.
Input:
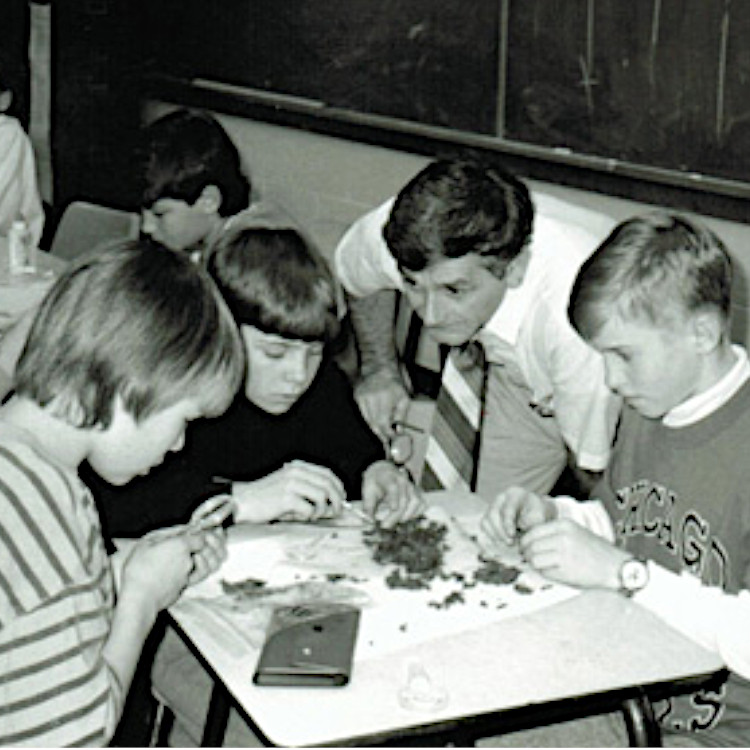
{"points": [[468, 356]]}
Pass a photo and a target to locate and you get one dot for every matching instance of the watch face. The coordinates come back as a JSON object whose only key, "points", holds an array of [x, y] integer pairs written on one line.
{"points": [[633, 575]]}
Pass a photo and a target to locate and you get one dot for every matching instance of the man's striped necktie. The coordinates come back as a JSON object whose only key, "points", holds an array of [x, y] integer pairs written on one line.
{"points": [[453, 445]]}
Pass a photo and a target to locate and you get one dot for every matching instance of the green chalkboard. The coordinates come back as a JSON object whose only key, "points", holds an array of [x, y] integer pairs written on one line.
{"points": [[662, 83]]}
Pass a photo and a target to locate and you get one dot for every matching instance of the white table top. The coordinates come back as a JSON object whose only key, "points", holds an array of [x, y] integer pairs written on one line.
{"points": [[593, 642]]}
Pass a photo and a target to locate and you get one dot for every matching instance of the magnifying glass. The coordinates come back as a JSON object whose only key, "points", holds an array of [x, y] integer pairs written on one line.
{"points": [[401, 446]]}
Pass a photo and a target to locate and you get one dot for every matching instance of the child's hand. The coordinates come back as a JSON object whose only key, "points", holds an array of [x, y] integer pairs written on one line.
{"points": [[212, 512], [389, 495], [158, 569], [299, 491], [211, 553], [208, 543], [569, 553], [515, 511]]}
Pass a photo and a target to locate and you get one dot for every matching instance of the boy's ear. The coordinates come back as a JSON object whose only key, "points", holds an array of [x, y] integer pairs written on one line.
{"points": [[209, 200], [708, 330]]}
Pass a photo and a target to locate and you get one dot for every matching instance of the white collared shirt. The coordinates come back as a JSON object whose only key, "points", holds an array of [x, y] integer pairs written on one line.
{"points": [[529, 333], [703, 404]]}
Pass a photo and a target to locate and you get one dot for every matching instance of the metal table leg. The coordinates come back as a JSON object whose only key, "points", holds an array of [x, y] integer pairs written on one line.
{"points": [[217, 717], [643, 731]]}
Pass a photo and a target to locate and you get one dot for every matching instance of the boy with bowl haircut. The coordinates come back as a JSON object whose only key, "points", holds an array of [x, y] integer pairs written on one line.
{"points": [[113, 370], [669, 522], [293, 443]]}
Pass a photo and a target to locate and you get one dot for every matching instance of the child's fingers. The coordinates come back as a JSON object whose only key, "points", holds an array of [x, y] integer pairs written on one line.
{"points": [[205, 562], [517, 510], [398, 501], [213, 512], [323, 491], [159, 534], [493, 525]]}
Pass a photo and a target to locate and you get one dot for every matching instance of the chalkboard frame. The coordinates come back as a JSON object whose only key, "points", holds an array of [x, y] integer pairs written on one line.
{"points": [[709, 196], [353, 70]]}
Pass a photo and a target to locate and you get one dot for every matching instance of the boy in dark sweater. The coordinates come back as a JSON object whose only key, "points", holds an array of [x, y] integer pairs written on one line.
{"points": [[293, 444]]}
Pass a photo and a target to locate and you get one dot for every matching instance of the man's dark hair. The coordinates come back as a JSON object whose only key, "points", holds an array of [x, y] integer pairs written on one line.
{"points": [[456, 207]]}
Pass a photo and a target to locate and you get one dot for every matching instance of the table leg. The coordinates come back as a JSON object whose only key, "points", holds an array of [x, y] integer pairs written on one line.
{"points": [[643, 731], [163, 723], [217, 717]]}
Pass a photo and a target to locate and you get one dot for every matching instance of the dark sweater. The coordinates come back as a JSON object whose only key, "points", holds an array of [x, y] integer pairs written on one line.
{"points": [[324, 427]]}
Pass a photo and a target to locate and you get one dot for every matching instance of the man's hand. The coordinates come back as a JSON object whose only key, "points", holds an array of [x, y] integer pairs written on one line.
{"points": [[515, 511], [380, 393], [299, 491], [388, 495], [383, 400]]}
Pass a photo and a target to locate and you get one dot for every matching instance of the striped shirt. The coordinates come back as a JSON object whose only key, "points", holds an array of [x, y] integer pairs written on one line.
{"points": [[56, 603]]}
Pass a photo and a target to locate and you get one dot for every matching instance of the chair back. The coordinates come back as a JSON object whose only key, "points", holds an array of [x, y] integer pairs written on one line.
{"points": [[85, 226]]}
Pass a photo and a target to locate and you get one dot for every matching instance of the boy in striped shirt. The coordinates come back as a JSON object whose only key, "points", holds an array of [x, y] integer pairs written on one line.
{"points": [[128, 347]]}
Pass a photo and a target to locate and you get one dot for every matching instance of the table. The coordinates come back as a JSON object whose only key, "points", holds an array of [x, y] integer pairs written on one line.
{"points": [[592, 652]]}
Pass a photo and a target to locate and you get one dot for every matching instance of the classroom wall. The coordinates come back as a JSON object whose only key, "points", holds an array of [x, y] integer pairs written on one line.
{"points": [[327, 182]]}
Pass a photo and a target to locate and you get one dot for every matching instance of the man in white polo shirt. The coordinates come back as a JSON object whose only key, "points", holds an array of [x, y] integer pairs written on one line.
{"points": [[462, 243]]}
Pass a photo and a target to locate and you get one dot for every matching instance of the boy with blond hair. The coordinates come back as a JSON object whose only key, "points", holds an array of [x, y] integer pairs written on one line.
{"points": [[669, 522], [128, 347]]}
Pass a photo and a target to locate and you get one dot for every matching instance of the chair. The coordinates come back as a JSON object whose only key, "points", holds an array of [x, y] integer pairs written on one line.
{"points": [[84, 226]]}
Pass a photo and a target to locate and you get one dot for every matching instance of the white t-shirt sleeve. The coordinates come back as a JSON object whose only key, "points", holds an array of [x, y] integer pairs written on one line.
{"points": [[586, 410], [362, 261]]}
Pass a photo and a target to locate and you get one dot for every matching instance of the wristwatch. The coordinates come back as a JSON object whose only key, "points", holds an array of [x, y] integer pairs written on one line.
{"points": [[633, 576]]}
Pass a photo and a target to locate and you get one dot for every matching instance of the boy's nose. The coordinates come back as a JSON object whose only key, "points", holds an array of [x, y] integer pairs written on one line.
{"points": [[295, 369], [178, 444], [148, 223], [612, 376]]}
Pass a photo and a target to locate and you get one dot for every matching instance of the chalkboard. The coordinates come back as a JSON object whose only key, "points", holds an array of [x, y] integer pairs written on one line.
{"points": [[660, 82], [664, 83]]}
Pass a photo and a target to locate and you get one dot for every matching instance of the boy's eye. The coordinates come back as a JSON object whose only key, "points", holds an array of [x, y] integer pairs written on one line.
{"points": [[274, 352], [409, 282], [454, 291]]}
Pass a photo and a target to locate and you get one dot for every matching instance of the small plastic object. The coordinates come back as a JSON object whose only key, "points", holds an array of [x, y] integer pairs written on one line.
{"points": [[421, 691], [20, 250]]}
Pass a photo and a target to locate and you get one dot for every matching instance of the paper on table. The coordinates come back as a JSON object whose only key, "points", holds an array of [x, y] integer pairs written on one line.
{"points": [[253, 558], [338, 563]]}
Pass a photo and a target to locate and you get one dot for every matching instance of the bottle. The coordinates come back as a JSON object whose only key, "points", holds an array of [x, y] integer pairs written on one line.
{"points": [[20, 258]]}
